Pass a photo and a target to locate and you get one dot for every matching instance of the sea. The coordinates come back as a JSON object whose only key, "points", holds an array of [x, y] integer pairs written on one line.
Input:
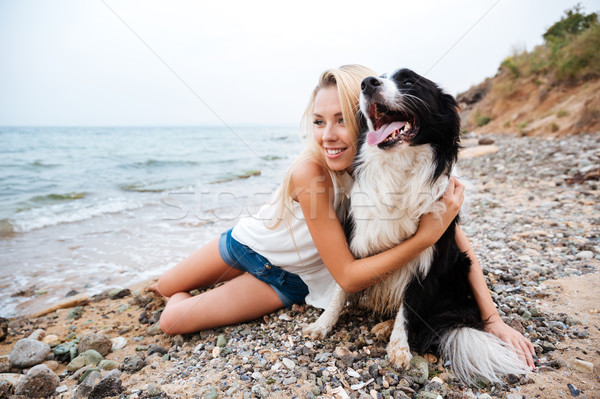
{"points": [[86, 209]]}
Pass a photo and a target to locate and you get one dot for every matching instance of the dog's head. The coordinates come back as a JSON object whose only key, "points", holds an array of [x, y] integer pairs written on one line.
{"points": [[406, 109]]}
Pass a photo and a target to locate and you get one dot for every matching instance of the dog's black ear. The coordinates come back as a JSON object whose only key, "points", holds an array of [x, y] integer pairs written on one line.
{"points": [[451, 113]]}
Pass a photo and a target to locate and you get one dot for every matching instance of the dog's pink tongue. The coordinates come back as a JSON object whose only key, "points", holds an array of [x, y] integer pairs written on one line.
{"points": [[376, 137]]}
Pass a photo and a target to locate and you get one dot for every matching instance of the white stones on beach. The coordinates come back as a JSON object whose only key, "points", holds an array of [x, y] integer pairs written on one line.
{"points": [[585, 255], [28, 352], [118, 343], [288, 363], [584, 366]]}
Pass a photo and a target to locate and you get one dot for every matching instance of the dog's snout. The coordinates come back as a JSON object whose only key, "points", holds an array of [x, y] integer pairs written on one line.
{"points": [[370, 84]]}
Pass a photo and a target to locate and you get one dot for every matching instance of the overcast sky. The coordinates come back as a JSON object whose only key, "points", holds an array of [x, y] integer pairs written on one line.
{"points": [[108, 62]]}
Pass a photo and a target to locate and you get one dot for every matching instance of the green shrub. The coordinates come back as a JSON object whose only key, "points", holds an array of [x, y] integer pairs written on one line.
{"points": [[482, 120], [554, 127], [562, 113]]}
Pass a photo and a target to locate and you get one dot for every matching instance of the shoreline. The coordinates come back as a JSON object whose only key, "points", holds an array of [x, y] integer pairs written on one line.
{"points": [[122, 318]]}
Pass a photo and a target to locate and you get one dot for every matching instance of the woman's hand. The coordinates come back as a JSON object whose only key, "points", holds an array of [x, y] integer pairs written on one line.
{"points": [[521, 345], [433, 225]]}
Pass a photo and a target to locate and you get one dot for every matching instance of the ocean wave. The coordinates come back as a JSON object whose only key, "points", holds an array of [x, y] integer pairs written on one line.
{"points": [[52, 215], [155, 163], [53, 198], [40, 164], [245, 175], [140, 188]]}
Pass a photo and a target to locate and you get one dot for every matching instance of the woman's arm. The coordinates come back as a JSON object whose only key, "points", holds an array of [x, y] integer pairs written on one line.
{"points": [[314, 188], [487, 308]]}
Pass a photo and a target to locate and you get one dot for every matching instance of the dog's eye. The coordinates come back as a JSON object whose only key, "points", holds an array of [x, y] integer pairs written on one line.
{"points": [[407, 83]]}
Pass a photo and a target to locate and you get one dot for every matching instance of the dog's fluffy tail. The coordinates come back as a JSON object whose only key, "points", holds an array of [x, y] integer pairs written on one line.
{"points": [[475, 353]]}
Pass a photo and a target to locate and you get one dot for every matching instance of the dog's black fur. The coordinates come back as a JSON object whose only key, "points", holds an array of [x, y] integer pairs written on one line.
{"points": [[443, 300]]}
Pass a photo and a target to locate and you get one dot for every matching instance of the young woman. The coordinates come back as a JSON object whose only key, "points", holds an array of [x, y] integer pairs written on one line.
{"points": [[294, 250]]}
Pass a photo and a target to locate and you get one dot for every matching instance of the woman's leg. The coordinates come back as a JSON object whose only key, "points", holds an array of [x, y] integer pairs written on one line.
{"points": [[203, 268], [241, 299]]}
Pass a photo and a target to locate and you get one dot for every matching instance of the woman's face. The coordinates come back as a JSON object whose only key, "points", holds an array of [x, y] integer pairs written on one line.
{"points": [[330, 131]]}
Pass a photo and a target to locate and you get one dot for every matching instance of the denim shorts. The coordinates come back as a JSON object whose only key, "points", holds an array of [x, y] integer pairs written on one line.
{"points": [[289, 286]]}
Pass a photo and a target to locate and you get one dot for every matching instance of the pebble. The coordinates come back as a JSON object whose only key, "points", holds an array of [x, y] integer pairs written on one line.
{"points": [[87, 358], [28, 352], [108, 365], [153, 348], [118, 343], [221, 341], [39, 381], [132, 364], [211, 393], [98, 342], [418, 369], [153, 390], [584, 366], [75, 313], [85, 387], [288, 363], [109, 385]]}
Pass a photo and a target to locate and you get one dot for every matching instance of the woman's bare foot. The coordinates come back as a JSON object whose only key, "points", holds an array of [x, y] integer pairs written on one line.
{"points": [[153, 288]]}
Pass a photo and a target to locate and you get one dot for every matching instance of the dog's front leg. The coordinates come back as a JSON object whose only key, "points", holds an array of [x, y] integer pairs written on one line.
{"points": [[320, 328], [397, 349]]}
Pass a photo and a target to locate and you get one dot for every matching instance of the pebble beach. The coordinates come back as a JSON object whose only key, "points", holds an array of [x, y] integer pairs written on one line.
{"points": [[533, 219]]}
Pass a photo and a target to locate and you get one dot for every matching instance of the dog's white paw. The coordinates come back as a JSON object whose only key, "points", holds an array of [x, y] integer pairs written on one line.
{"points": [[316, 330], [399, 355]]}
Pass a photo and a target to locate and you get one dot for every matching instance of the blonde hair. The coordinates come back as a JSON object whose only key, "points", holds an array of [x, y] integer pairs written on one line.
{"points": [[347, 79]]}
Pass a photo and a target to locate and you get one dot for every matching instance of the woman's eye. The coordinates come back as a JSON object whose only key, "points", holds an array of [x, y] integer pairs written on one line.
{"points": [[318, 122], [341, 121]]}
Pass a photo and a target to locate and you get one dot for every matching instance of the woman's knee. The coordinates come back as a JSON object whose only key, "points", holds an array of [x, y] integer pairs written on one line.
{"points": [[168, 322]]}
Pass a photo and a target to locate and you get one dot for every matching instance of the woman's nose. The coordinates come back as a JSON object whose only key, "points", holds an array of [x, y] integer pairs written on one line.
{"points": [[329, 133]]}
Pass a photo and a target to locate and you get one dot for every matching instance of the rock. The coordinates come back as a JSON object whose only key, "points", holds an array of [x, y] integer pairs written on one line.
{"points": [[486, 141], [288, 363], [153, 390], [87, 358], [7, 389], [423, 394], [221, 341], [322, 357], [418, 369], [108, 365], [52, 364], [584, 366], [40, 381], [98, 342], [51, 340], [211, 393], [585, 255], [75, 313], [38, 334], [118, 343], [28, 352], [154, 329], [436, 387], [132, 364], [484, 396], [3, 328], [109, 385], [118, 293], [344, 354], [85, 388], [153, 348], [289, 380]]}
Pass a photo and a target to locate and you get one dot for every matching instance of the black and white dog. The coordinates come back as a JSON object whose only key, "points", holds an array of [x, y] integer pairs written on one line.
{"points": [[402, 169]]}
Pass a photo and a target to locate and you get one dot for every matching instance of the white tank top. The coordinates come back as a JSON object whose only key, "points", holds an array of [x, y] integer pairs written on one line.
{"points": [[290, 246]]}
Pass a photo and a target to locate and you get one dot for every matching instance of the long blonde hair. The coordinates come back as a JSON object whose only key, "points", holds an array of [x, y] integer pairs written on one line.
{"points": [[347, 79]]}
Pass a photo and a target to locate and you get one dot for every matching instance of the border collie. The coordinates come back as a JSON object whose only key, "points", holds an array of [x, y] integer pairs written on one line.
{"points": [[402, 169]]}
